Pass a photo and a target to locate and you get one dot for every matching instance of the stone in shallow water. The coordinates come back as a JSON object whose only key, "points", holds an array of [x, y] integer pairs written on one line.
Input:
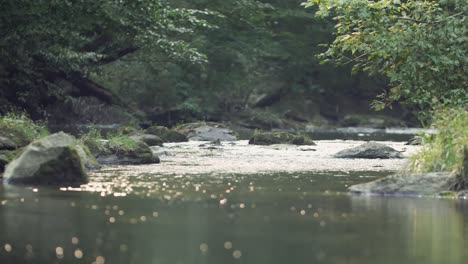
{"points": [[369, 150], [150, 140], [270, 138], [208, 133], [54, 160], [166, 134], [408, 184]]}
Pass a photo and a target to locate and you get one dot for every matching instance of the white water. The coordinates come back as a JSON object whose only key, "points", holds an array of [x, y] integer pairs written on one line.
{"points": [[239, 157]]}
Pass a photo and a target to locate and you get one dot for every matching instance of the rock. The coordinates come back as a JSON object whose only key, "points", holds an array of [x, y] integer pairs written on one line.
{"points": [[7, 144], [207, 132], [369, 150], [166, 134], [270, 138], [407, 184], [415, 141], [140, 153], [53, 160], [150, 140]]}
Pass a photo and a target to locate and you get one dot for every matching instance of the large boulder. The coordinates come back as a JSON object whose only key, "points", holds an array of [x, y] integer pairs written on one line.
{"points": [[270, 138], [369, 150], [166, 134], [207, 132], [407, 184], [148, 139], [57, 159]]}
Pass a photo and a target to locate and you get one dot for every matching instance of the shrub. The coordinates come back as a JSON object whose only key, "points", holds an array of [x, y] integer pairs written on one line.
{"points": [[21, 129], [443, 151]]}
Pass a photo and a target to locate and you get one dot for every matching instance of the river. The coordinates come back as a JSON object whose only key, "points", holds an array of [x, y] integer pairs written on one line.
{"points": [[232, 203]]}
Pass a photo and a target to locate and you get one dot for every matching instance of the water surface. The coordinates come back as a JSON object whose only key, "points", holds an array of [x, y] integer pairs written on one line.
{"points": [[256, 218]]}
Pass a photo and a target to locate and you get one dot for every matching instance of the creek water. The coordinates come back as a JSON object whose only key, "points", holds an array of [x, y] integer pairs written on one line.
{"points": [[232, 203]]}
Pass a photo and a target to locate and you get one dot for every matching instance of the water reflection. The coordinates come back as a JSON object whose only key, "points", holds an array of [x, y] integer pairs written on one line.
{"points": [[428, 230], [279, 218]]}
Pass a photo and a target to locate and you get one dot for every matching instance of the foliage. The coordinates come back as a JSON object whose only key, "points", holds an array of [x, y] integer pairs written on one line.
{"points": [[21, 129], [444, 151], [120, 141], [93, 140], [420, 46], [44, 43], [258, 47], [111, 144]]}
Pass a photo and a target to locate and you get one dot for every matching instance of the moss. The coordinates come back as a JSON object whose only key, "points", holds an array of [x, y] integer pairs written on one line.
{"points": [[67, 168], [120, 145], [269, 138], [91, 162]]}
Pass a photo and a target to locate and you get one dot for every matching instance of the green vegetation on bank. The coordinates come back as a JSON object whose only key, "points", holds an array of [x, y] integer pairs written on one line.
{"points": [[21, 129], [421, 48], [117, 148], [113, 142], [446, 149]]}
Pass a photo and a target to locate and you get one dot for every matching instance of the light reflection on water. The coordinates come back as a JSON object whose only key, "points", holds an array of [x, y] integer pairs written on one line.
{"points": [[269, 218]]}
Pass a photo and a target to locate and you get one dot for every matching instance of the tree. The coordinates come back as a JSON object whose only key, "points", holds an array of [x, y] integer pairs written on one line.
{"points": [[47, 45], [420, 46]]}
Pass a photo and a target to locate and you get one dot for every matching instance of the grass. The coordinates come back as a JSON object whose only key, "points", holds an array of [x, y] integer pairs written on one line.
{"points": [[116, 141], [21, 129], [444, 151]]}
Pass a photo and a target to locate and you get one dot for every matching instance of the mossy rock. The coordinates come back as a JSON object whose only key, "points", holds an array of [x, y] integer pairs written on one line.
{"points": [[54, 160], [270, 138], [141, 154], [110, 153], [149, 139], [166, 134]]}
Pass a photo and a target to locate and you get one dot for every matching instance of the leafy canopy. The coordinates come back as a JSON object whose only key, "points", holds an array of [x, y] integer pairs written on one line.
{"points": [[44, 41], [420, 46]]}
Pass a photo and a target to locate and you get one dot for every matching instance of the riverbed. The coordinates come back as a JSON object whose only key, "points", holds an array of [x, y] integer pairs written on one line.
{"points": [[233, 203]]}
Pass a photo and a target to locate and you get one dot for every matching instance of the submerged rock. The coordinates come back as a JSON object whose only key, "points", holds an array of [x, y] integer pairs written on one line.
{"points": [[408, 184], [270, 138], [57, 159], [166, 134], [150, 140], [207, 132], [369, 150]]}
